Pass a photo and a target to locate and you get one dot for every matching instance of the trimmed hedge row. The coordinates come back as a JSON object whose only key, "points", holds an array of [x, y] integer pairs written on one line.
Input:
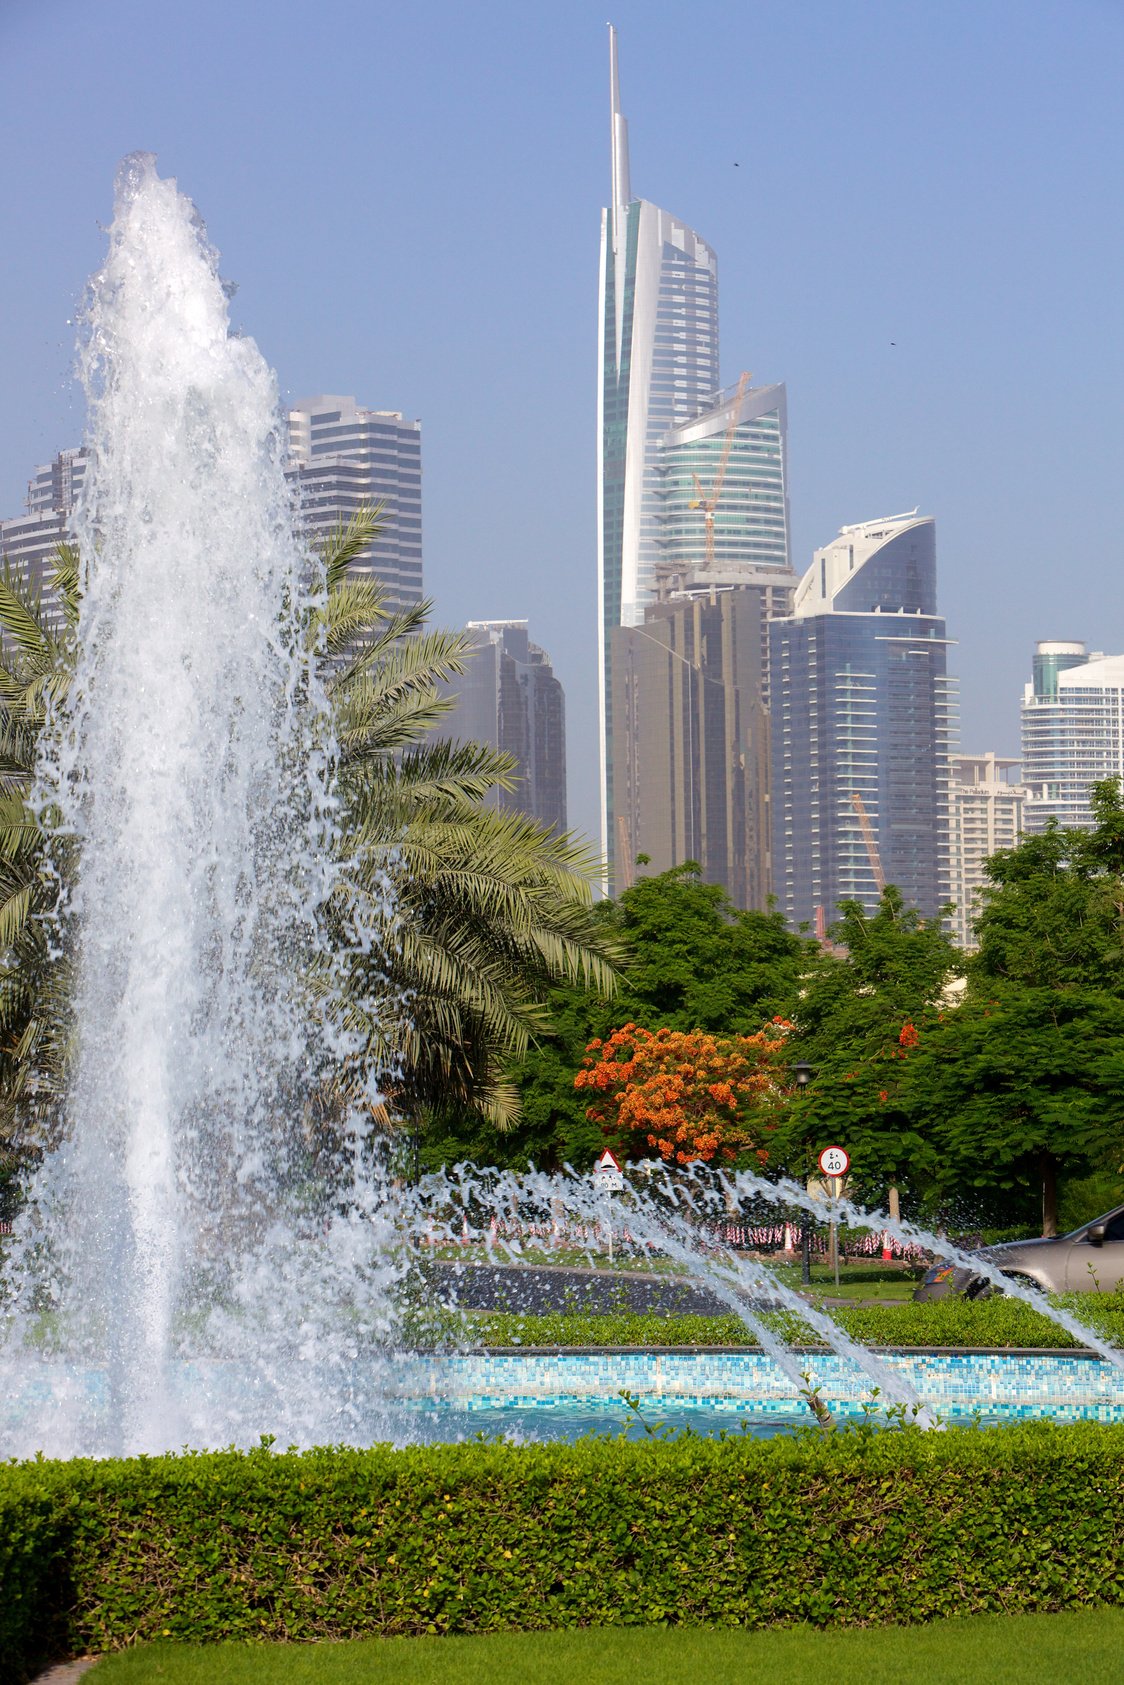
{"points": [[849, 1529], [939, 1322]]}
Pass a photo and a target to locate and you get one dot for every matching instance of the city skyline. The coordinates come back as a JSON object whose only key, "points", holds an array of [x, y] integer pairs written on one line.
{"points": [[911, 203]]}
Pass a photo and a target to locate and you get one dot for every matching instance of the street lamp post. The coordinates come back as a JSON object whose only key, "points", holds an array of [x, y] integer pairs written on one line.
{"points": [[802, 1071]]}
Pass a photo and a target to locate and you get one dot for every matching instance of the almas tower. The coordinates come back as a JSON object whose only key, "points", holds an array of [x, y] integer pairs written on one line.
{"points": [[658, 370]]}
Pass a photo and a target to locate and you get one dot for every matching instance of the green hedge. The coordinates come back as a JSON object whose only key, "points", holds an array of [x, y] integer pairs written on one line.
{"points": [[850, 1529], [939, 1322]]}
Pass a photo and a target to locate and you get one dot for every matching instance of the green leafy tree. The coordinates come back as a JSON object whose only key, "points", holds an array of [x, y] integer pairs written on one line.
{"points": [[1029, 1073], [1018, 1084], [862, 1017], [690, 960], [1052, 912]]}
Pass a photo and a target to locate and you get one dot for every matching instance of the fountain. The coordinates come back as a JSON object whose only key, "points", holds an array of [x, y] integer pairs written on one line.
{"points": [[179, 1274], [192, 763]]}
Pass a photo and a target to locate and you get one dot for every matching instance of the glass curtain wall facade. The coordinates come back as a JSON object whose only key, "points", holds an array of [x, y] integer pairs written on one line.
{"points": [[751, 511], [862, 705], [1072, 720], [343, 458], [658, 368]]}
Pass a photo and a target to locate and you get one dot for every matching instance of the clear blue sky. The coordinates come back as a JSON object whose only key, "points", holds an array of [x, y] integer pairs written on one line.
{"points": [[408, 198]]}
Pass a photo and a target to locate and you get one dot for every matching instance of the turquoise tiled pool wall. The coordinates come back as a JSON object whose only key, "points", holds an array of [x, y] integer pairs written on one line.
{"points": [[741, 1379]]}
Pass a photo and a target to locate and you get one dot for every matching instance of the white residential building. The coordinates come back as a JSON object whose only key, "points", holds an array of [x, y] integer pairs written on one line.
{"points": [[28, 541], [1072, 732], [343, 458], [985, 814]]}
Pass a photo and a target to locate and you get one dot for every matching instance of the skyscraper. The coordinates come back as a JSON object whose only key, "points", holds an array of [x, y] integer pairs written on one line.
{"points": [[689, 686], [733, 455], [862, 706], [1072, 732], [658, 357], [343, 458], [985, 814], [691, 772], [29, 540], [509, 697]]}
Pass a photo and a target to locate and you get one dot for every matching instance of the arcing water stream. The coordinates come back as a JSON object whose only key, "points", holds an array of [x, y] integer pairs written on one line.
{"points": [[789, 1193]]}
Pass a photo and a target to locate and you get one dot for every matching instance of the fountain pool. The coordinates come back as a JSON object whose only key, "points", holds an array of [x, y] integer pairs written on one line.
{"points": [[177, 1276]]}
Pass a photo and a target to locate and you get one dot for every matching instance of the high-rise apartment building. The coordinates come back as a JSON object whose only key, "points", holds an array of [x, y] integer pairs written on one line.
{"points": [[509, 697], [28, 541], [1072, 732], [862, 706], [343, 458], [658, 357], [985, 814]]}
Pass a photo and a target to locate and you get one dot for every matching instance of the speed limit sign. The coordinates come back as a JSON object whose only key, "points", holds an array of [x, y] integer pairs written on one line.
{"points": [[834, 1161]]}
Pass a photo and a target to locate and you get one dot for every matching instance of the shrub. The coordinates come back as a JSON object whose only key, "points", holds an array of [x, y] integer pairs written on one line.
{"points": [[844, 1528], [1000, 1322]]}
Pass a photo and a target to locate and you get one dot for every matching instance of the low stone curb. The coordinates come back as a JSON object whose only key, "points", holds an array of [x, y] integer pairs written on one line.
{"points": [[67, 1673]]}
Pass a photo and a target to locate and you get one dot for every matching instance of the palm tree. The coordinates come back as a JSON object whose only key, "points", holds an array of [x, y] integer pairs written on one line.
{"points": [[474, 912], [36, 664], [483, 910]]}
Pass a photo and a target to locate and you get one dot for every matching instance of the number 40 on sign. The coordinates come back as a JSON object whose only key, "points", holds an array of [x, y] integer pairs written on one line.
{"points": [[834, 1161]]}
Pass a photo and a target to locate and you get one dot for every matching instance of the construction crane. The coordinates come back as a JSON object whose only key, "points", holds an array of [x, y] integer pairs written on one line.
{"points": [[708, 501], [867, 830], [624, 854]]}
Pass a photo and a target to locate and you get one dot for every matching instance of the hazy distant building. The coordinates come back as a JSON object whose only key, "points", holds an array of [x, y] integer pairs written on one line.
{"points": [[691, 769], [343, 458], [509, 697], [862, 705], [1072, 732], [985, 814], [28, 541]]}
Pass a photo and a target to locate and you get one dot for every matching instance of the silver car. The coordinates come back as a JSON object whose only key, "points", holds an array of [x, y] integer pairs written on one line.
{"points": [[1089, 1260]]}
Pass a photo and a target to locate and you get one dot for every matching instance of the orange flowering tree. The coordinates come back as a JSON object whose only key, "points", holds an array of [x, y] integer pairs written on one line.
{"points": [[685, 1095]]}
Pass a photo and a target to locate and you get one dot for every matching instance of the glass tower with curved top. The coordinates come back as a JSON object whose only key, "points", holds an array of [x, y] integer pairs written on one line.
{"points": [[863, 717]]}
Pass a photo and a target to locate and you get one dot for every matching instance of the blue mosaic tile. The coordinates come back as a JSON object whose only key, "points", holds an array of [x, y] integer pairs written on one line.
{"points": [[1018, 1384]]}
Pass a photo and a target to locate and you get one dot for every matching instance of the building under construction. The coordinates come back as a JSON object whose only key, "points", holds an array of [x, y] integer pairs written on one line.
{"points": [[690, 683]]}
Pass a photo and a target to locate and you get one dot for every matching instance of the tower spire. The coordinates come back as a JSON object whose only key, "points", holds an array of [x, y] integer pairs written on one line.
{"points": [[622, 189]]}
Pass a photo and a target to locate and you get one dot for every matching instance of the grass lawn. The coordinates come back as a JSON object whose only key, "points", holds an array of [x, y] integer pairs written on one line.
{"points": [[856, 1281], [985, 1650]]}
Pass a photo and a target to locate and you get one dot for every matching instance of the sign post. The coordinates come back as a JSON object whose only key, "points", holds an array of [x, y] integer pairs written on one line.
{"points": [[834, 1163], [608, 1178]]}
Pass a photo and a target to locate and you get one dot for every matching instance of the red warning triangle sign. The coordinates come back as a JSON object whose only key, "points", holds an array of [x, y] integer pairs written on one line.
{"points": [[608, 1161]]}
